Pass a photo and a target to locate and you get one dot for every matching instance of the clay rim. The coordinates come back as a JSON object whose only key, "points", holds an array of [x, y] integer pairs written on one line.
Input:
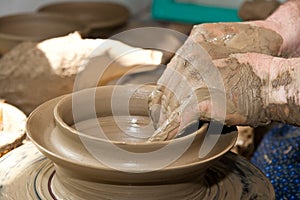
{"points": [[62, 124], [81, 27], [39, 110], [112, 22]]}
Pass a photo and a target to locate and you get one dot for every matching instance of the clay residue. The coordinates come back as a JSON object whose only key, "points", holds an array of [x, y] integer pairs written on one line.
{"points": [[244, 92], [282, 79], [243, 88], [222, 39], [286, 113]]}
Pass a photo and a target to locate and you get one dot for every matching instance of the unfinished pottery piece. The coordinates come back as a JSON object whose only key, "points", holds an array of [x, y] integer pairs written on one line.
{"points": [[18, 28], [119, 164], [12, 127]]}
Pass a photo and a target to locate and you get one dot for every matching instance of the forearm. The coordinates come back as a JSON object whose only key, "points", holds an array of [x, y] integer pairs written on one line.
{"points": [[283, 100], [279, 88]]}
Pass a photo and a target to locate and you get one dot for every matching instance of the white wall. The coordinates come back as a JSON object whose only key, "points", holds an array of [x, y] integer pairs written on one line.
{"points": [[16, 6]]}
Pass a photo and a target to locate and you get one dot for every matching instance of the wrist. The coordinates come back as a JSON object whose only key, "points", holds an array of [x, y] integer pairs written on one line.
{"points": [[283, 97]]}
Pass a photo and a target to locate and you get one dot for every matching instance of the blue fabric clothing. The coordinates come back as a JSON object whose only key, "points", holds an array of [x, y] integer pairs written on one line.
{"points": [[278, 156]]}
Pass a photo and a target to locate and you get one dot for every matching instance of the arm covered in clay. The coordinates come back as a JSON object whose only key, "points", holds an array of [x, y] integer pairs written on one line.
{"points": [[262, 88], [243, 89]]}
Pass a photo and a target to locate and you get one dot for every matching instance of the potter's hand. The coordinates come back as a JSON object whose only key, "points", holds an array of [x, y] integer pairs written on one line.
{"points": [[257, 89], [222, 39], [194, 87], [276, 35], [196, 76]]}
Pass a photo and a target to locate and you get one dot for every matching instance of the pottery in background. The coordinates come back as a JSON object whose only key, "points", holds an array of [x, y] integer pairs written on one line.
{"points": [[100, 17], [18, 28]]}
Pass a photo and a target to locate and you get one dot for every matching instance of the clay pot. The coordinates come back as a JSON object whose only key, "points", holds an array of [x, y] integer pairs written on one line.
{"points": [[120, 163], [100, 17], [18, 28]]}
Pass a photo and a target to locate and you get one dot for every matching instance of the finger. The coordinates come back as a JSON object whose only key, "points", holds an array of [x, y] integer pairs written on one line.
{"points": [[168, 83], [169, 126]]}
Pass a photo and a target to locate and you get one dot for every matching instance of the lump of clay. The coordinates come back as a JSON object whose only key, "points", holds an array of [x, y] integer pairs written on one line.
{"points": [[33, 73]]}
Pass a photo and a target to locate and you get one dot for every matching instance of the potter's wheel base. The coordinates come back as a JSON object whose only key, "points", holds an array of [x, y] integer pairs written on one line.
{"points": [[27, 173]]}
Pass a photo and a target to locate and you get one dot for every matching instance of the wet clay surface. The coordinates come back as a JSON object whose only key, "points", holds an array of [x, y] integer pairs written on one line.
{"points": [[282, 80], [287, 112], [200, 77], [130, 129], [285, 86], [222, 39], [243, 92]]}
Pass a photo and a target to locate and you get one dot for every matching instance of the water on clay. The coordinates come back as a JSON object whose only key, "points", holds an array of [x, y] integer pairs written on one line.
{"points": [[132, 129]]}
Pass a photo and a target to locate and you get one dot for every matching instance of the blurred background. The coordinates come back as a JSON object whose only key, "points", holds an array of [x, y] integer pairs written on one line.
{"points": [[16, 6]]}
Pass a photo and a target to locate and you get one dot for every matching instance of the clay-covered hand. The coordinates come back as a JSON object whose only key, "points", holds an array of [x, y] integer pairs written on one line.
{"points": [[243, 89], [276, 35], [222, 39], [243, 80], [195, 87]]}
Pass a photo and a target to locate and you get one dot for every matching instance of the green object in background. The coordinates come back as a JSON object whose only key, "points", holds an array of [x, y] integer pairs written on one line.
{"points": [[192, 13]]}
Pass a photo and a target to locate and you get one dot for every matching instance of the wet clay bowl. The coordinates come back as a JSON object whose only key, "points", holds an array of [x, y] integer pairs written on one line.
{"points": [[18, 28], [120, 161], [96, 15]]}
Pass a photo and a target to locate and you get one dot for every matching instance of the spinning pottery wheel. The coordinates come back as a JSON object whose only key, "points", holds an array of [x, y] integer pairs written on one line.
{"points": [[74, 170]]}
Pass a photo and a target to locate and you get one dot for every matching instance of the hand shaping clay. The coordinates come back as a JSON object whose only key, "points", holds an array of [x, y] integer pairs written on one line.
{"points": [[222, 39]]}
